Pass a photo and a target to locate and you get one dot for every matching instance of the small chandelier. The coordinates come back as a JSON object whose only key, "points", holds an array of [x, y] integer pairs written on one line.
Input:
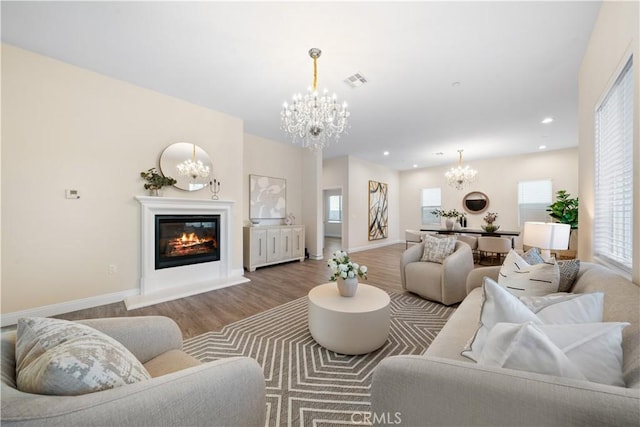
{"points": [[192, 167], [461, 176], [314, 119]]}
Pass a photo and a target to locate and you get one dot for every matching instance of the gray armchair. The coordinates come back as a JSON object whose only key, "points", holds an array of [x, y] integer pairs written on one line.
{"points": [[445, 283], [182, 392]]}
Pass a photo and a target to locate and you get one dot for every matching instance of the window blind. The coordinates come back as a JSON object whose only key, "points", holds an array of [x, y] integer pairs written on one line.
{"points": [[533, 199], [335, 208], [431, 200], [613, 212]]}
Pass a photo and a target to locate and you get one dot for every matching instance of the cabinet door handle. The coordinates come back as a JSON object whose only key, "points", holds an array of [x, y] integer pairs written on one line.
{"points": [[259, 247], [274, 245], [286, 244]]}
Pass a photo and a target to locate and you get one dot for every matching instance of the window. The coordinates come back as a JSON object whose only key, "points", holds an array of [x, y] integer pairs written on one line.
{"points": [[430, 202], [335, 209], [533, 199], [613, 213]]}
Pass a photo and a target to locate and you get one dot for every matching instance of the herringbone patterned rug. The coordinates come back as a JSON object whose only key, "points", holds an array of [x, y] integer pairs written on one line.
{"points": [[308, 385]]}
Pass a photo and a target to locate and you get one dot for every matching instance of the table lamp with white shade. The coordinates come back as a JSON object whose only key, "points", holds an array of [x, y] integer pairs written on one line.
{"points": [[546, 236]]}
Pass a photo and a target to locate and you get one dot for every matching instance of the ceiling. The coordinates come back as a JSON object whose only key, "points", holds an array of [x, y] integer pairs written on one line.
{"points": [[442, 76]]}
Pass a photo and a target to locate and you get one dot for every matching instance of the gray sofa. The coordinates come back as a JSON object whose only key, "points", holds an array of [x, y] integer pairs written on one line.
{"points": [[442, 387], [182, 392]]}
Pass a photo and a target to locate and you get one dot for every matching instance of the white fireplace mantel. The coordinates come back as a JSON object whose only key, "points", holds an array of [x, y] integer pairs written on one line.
{"points": [[178, 282]]}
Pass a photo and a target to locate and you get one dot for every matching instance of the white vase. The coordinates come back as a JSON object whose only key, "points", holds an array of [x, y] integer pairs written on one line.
{"points": [[156, 192], [449, 222], [347, 287]]}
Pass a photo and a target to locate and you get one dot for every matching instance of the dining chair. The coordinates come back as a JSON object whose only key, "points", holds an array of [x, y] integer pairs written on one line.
{"points": [[493, 248]]}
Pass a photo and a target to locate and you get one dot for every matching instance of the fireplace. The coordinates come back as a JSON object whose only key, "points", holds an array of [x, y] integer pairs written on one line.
{"points": [[186, 239], [203, 268]]}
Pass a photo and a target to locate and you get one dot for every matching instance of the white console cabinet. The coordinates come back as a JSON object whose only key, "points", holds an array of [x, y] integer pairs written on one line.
{"points": [[267, 245]]}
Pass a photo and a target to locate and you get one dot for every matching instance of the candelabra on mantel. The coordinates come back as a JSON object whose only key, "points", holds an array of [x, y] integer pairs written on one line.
{"points": [[214, 187]]}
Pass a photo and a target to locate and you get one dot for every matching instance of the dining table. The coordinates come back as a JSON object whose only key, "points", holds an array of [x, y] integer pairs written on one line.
{"points": [[497, 233]]}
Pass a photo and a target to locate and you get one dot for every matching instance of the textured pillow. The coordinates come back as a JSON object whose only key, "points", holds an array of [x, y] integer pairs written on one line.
{"points": [[59, 357], [586, 351], [437, 249], [520, 278], [499, 305], [568, 273], [533, 257]]}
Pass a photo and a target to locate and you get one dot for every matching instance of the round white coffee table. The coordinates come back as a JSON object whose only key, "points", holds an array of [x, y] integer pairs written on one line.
{"points": [[349, 325]]}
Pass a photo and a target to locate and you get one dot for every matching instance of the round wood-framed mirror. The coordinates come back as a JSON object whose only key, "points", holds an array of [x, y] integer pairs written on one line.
{"points": [[475, 202]]}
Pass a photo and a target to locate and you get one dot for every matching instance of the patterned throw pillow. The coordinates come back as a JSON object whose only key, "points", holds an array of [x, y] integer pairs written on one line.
{"points": [[568, 273], [533, 257], [436, 249], [58, 357], [568, 268], [520, 278]]}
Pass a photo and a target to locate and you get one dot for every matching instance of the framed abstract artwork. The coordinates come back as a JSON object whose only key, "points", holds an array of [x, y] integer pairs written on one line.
{"points": [[267, 197], [378, 210]]}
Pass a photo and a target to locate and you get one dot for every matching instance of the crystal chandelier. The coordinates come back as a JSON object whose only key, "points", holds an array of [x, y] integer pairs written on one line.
{"points": [[461, 176], [193, 168], [314, 118]]}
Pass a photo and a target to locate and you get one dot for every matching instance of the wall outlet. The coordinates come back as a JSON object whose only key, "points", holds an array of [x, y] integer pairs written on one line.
{"points": [[113, 269]]}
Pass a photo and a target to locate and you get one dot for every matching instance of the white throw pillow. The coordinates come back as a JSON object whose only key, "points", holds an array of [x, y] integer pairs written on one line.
{"points": [[58, 357], [585, 351], [520, 278], [567, 308], [500, 305]]}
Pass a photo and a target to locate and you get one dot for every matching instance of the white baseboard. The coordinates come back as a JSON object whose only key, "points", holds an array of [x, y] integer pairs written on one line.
{"points": [[374, 246], [9, 319], [139, 300], [67, 306]]}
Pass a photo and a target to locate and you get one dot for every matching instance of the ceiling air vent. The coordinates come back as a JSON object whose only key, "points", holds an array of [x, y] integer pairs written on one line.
{"points": [[355, 80]]}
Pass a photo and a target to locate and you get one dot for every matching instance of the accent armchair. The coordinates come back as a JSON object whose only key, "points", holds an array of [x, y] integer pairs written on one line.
{"points": [[445, 283], [182, 392]]}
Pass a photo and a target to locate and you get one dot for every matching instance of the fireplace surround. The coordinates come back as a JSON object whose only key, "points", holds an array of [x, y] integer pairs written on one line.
{"points": [[177, 280]]}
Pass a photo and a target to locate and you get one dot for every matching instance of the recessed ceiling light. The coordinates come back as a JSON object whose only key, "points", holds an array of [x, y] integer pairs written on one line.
{"points": [[415, 166], [455, 84], [542, 147], [386, 153], [547, 120], [439, 153]]}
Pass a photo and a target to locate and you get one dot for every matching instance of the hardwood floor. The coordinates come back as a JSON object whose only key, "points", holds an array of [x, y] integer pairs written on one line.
{"points": [[269, 287]]}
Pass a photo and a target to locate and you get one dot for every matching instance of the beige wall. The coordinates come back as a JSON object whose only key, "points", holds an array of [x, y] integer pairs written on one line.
{"points": [[353, 176], [66, 127], [360, 173], [497, 178], [275, 159], [614, 39]]}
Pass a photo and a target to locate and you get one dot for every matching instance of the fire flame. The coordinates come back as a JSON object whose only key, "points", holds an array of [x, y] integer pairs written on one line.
{"points": [[191, 238]]}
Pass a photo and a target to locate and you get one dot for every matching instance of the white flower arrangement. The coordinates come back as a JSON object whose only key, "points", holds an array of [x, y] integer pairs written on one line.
{"points": [[342, 266]]}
